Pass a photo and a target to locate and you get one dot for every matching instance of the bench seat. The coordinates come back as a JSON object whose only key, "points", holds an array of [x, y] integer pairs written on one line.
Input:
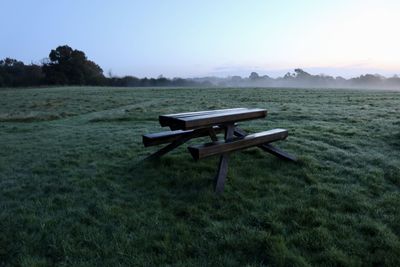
{"points": [[220, 147], [154, 139]]}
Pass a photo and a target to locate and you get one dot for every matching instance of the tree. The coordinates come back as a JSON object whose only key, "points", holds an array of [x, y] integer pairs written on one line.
{"points": [[254, 76], [71, 67], [289, 76], [15, 73], [301, 74], [393, 81]]}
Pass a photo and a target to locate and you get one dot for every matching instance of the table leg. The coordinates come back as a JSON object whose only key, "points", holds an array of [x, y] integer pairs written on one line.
{"points": [[220, 178], [212, 134]]}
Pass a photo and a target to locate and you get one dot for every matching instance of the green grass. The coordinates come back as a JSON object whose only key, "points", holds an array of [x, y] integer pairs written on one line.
{"points": [[75, 192]]}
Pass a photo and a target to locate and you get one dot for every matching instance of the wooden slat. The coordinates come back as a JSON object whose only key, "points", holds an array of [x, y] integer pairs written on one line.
{"points": [[169, 119], [216, 148], [228, 117], [193, 122], [198, 113], [154, 139]]}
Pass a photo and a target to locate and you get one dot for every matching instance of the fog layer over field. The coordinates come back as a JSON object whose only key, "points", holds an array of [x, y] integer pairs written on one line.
{"points": [[302, 79]]}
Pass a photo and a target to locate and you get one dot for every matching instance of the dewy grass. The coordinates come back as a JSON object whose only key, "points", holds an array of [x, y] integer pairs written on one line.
{"points": [[75, 191]]}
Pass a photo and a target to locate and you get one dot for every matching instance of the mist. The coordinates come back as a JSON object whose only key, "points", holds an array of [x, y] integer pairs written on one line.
{"points": [[301, 79]]}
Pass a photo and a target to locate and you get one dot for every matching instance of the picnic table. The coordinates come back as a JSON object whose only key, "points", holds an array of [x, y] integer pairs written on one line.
{"points": [[186, 126]]}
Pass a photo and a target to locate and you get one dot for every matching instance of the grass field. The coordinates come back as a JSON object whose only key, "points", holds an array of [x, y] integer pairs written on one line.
{"points": [[74, 191]]}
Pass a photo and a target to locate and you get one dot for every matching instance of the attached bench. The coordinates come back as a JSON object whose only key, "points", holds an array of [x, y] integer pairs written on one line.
{"points": [[186, 126], [154, 139], [220, 147], [177, 138]]}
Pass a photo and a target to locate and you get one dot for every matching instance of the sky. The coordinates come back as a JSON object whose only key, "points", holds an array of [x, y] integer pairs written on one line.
{"points": [[187, 38]]}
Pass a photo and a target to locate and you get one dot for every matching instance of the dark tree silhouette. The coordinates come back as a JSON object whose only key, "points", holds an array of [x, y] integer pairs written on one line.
{"points": [[254, 76], [301, 74], [69, 66], [14, 73]]}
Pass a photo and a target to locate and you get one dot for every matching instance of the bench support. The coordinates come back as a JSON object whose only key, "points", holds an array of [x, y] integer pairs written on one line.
{"points": [[180, 140], [268, 147], [169, 147], [219, 180]]}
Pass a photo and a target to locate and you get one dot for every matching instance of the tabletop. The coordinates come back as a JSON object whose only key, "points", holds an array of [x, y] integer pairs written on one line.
{"points": [[209, 118]]}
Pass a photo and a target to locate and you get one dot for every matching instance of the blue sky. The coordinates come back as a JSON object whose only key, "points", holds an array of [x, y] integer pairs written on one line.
{"points": [[201, 38]]}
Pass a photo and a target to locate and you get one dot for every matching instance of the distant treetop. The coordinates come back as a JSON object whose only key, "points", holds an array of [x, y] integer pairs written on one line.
{"points": [[71, 67]]}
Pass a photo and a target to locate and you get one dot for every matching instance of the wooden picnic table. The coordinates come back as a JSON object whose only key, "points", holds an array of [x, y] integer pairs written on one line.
{"points": [[186, 126]]}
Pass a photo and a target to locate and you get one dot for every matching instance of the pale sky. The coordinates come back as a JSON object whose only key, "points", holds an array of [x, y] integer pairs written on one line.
{"points": [[200, 38]]}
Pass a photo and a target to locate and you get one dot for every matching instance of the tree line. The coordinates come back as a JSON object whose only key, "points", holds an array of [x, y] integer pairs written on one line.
{"points": [[303, 79], [67, 66]]}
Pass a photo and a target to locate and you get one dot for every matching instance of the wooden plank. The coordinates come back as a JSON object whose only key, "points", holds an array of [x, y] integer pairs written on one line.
{"points": [[268, 147], [216, 148], [220, 118], [154, 139], [203, 112], [223, 118], [169, 119]]}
